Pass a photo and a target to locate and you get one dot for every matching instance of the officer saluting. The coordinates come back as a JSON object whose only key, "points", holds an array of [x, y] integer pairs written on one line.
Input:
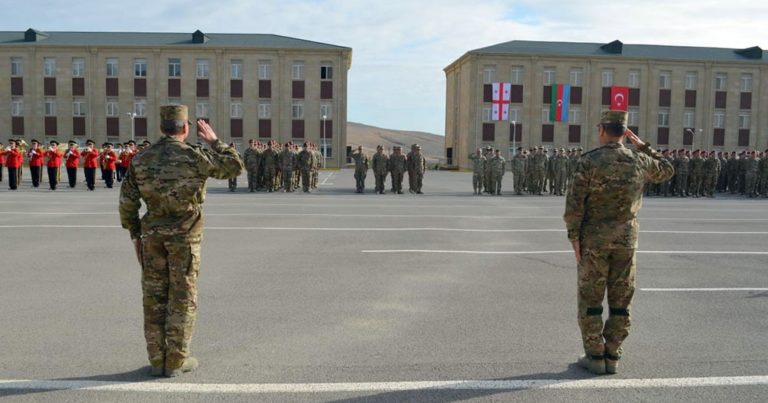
{"points": [[170, 177], [601, 217]]}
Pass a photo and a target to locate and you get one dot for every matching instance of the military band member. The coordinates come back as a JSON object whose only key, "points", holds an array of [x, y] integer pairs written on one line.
{"points": [[53, 163], [72, 157], [13, 161], [90, 158], [108, 160], [2, 159], [36, 156]]}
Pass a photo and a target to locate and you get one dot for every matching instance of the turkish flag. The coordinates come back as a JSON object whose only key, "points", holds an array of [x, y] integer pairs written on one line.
{"points": [[619, 97]]}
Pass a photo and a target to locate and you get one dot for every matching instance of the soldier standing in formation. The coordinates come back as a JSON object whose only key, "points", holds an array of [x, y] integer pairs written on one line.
{"points": [[417, 167], [251, 160], [361, 169], [397, 168], [36, 159], [478, 171], [90, 163], [170, 177], [519, 167], [53, 164], [498, 167], [13, 161], [380, 167], [601, 219], [287, 163], [306, 161]]}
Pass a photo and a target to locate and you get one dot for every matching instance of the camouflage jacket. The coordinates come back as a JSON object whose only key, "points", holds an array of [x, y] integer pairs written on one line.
{"points": [[417, 163], [380, 163], [397, 163], [251, 158], [682, 165], [478, 163], [170, 177], [519, 162], [498, 165], [711, 166], [361, 162], [606, 194], [287, 160], [696, 166], [306, 160]]}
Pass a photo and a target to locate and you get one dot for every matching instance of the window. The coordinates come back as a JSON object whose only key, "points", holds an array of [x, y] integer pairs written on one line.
{"points": [[202, 69], [174, 67], [265, 110], [297, 110], [517, 76], [721, 82], [665, 78], [140, 68], [236, 69], [633, 117], [174, 101], [202, 109], [17, 107], [236, 110], [486, 114], [140, 107], [488, 74], [545, 115], [689, 118], [50, 107], [607, 78], [514, 114], [691, 80], [326, 71], [549, 76], [17, 67], [574, 116], [78, 67], [577, 77], [663, 120], [634, 79], [746, 83], [719, 120], [113, 109], [326, 110], [265, 70], [297, 71], [78, 107], [112, 67], [744, 120]]}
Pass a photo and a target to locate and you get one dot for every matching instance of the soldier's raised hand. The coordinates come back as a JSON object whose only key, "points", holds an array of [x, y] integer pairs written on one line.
{"points": [[205, 132], [632, 137]]}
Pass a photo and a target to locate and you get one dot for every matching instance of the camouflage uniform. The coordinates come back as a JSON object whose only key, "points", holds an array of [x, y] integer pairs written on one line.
{"points": [[270, 160], [380, 167], [751, 166], [519, 163], [170, 177], [539, 170], [251, 160], [397, 168], [601, 213], [478, 170], [710, 171], [417, 166], [361, 169], [763, 174], [306, 161], [498, 168], [733, 173], [287, 163], [681, 170], [696, 175]]}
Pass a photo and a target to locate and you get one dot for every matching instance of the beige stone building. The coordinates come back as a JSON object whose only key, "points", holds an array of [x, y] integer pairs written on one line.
{"points": [[108, 86], [679, 97]]}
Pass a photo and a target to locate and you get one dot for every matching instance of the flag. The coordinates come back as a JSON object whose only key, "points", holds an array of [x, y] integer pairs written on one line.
{"points": [[619, 98], [558, 110], [501, 97]]}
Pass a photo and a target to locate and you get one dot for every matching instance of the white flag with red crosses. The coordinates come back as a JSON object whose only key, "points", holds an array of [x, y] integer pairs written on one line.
{"points": [[501, 97]]}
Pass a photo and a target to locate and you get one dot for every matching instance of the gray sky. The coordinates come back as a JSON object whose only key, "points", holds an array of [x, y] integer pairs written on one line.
{"points": [[400, 47]]}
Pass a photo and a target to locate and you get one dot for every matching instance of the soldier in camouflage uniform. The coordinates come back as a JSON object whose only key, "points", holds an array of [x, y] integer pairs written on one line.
{"points": [[287, 164], [751, 168], [733, 172], [498, 169], [487, 170], [361, 169], [696, 174], [317, 166], [380, 168], [681, 172], [711, 171], [478, 170], [666, 186], [763, 174], [250, 158], [397, 168], [561, 172], [519, 162], [601, 219], [305, 162], [170, 177], [539, 169], [270, 162], [417, 166]]}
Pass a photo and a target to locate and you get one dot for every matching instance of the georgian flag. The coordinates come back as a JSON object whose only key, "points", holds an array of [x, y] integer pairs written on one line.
{"points": [[501, 97]]}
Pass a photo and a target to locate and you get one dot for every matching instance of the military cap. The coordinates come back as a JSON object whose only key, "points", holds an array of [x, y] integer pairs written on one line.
{"points": [[33, 141], [305, 145], [89, 141], [146, 143], [580, 149], [418, 147], [379, 147], [519, 148], [108, 144], [614, 118], [53, 142], [131, 142], [174, 112]]}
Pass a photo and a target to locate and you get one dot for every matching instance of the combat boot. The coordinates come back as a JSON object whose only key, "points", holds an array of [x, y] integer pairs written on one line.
{"points": [[189, 365], [593, 365], [157, 368], [611, 366]]}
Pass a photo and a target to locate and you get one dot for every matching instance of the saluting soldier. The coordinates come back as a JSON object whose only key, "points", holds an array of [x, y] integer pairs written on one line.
{"points": [[601, 218], [380, 167], [498, 169], [478, 170], [361, 169], [170, 178], [417, 166]]}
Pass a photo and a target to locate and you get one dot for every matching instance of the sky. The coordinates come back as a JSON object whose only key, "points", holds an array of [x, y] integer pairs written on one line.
{"points": [[400, 47]]}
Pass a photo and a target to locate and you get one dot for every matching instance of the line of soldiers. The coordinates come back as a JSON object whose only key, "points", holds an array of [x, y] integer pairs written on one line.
{"points": [[702, 173], [270, 168], [394, 164], [109, 162], [534, 172]]}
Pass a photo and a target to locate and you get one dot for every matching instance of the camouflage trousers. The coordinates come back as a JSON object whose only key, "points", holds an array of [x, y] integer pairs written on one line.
{"points": [[477, 182], [495, 183], [169, 285], [287, 180], [397, 181], [306, 176], [253, 175], [600, 270], [519, 181], [380, 178], [360, 181]]}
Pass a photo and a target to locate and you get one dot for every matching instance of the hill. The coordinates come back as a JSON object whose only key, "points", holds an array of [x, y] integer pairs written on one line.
{"points": [[370, 136]]}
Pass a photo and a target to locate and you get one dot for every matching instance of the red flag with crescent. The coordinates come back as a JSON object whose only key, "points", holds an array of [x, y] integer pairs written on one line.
{"points": [[619, 98]]}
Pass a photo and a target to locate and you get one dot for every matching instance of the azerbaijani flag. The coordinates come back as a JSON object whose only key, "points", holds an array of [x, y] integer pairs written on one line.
{"points": [[558, 110]]}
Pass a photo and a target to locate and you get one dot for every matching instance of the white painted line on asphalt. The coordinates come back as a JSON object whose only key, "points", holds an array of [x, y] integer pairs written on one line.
{"points": [[324, 182], [701, 289], [426, 386], [549, 252]]}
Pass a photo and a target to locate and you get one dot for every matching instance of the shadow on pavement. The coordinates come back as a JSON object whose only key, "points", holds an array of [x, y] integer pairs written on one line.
{"points": [[137, 375]]}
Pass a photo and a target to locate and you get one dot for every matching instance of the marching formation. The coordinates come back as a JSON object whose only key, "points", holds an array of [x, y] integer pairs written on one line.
{"points": [[395, 164], [111, 163], [271, 169]]}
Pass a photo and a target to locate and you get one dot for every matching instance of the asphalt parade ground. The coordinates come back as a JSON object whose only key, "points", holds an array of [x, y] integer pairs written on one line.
{"points": [[337, 296]]}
